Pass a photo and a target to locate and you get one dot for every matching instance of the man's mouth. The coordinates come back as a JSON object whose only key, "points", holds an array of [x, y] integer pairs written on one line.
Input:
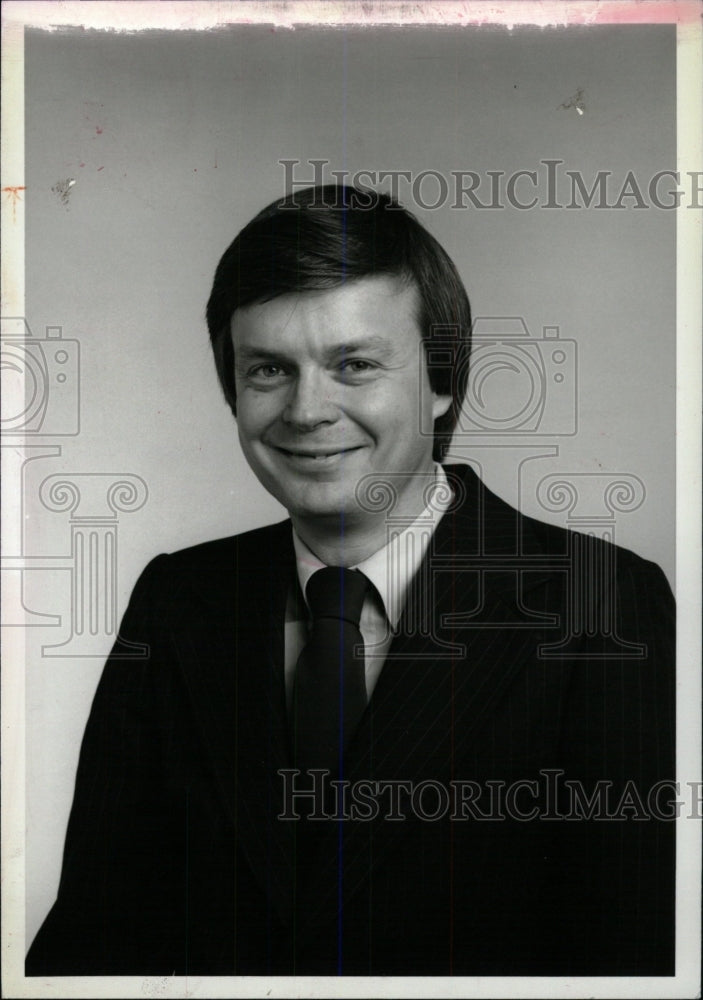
{"points": [[316, 454]]}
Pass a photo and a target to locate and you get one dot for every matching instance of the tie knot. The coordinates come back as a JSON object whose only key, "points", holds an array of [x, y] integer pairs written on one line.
{"points": [[337, 592]]}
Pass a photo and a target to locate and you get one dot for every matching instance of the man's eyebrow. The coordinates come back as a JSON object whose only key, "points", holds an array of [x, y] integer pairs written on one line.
{"points": [[384, 345], [248, 354]]}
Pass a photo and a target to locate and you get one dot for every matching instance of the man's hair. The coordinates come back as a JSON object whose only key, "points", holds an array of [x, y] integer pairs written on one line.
{"points": [[322, 237]]}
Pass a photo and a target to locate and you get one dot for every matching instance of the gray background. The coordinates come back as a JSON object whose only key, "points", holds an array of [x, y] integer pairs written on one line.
{"points": [[173, 140]]}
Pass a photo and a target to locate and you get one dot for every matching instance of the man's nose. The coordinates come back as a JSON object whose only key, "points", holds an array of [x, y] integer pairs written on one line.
{"points": [[310, 401]]}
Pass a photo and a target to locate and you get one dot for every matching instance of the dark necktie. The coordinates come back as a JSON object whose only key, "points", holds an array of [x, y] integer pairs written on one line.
{"points": [[330, 687]]}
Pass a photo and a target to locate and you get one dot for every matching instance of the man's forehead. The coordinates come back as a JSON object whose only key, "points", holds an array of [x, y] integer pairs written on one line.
{"points": [[376, 305]]}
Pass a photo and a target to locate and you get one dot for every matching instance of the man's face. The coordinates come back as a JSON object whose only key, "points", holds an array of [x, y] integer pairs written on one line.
{"points": [[332, 386]]}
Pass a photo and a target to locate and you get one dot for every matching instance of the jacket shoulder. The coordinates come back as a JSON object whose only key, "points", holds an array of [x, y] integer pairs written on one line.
{"points": [[213, 566], [223, 552], [533, 536], [555, 539]]}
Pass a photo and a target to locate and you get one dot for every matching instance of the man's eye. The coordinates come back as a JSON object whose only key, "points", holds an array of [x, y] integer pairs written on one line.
{"points": [[357, 366], [269, 370]]}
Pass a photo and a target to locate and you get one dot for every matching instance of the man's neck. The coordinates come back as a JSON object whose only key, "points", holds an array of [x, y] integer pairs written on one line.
{"points": [[350, 539], [343, 542]]}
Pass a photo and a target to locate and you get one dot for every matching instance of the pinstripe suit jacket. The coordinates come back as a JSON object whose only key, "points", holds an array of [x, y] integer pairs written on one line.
{"points": [[501, 687]]}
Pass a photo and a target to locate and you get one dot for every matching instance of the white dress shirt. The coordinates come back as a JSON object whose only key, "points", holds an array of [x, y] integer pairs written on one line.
{"points": [[390, 569]]}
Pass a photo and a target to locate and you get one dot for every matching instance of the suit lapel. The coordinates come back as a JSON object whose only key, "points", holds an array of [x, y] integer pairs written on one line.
{"points": [[443, 679], [483, 561]]}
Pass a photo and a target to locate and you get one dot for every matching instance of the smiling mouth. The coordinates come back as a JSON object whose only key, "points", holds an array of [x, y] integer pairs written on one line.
{"points": [[316, 456]]}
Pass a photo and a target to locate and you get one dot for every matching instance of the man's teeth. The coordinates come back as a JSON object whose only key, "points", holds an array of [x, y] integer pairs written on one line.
{"points": [[325, 454]]}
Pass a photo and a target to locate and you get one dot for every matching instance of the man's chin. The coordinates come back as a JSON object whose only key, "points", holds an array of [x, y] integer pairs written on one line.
{"points": [[328, 501], [331, 512]]}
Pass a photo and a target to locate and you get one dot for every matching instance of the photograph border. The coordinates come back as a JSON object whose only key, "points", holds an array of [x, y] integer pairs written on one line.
{"points": [[134, 16]]}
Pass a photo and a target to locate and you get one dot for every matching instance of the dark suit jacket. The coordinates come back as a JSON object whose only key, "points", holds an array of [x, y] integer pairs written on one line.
{"points": [[503, 671]]}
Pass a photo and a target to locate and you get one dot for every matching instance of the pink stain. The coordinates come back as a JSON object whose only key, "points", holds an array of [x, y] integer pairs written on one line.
{"points": [[622, 12], [98, 130], [101, 168], [588, 12], [539, 12]]}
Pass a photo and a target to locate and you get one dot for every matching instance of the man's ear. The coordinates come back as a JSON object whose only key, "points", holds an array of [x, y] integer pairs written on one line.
{"points": [[440, 405]]}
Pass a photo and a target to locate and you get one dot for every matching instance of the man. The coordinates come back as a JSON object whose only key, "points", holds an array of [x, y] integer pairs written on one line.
{"points": [[370, 739]]}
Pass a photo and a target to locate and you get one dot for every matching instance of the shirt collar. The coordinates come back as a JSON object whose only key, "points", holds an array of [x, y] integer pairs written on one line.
{"points": [[393, 566]]}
